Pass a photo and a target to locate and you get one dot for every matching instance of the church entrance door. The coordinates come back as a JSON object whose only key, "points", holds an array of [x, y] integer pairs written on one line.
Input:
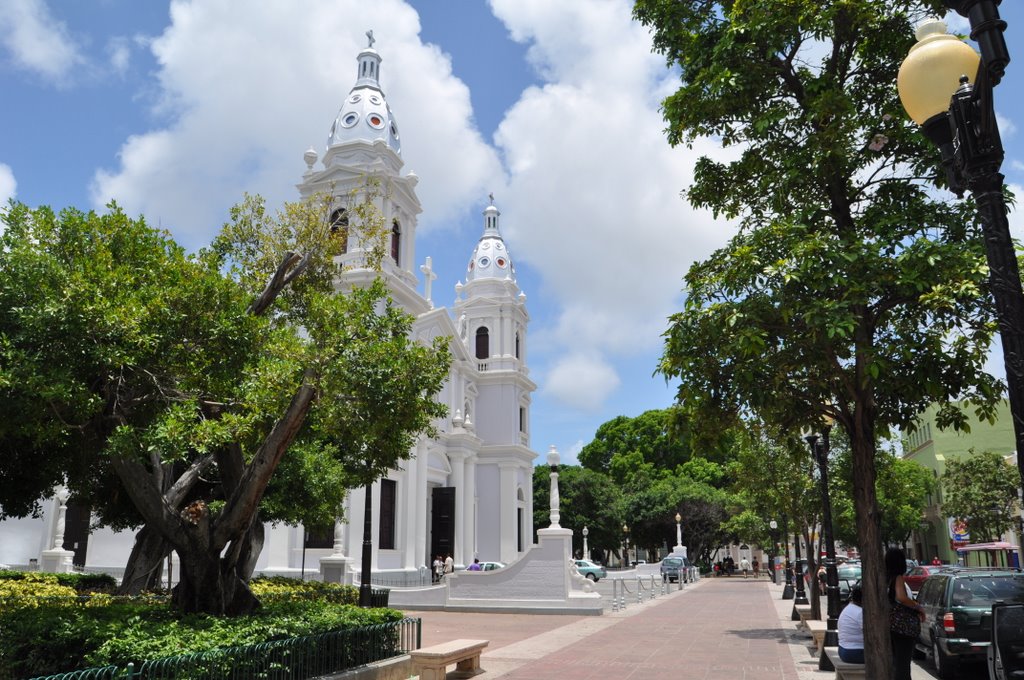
{"points": [[442, 521]]}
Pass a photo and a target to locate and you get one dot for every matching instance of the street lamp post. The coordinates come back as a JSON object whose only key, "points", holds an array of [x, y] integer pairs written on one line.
{"points": [[625, 532], [365, 589], [586, 551], [801, 595], [679, 534], [787, 592], [820, 450], [960, 120], [773, 525]]}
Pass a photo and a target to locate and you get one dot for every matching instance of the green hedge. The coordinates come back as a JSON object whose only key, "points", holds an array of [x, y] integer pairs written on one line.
{"points": [[81, 583], [51, 638]]}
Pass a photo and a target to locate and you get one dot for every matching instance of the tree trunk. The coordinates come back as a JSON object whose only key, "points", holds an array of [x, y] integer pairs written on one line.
{"points": [[251, 549], [145, 564], [211, 585], [877, 650]]}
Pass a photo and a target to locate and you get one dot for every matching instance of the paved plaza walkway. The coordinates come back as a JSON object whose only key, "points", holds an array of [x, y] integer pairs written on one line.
{"points": [[725, 628]]}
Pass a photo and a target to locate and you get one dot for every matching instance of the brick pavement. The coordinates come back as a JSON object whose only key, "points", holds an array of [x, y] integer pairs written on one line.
{"points": [[728, 628]]}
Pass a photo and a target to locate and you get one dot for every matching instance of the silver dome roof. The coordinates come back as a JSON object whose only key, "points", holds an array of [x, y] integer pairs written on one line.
{"points": [[490, 259], [365, 115]]}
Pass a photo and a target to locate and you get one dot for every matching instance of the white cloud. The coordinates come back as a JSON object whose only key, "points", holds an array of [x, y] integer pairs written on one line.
{"points": [[247, 88], [119, 51], [582, 382], [590, 187], [8, 185], [36, 41], [1007, 128], [595, 187], [571, 455]]}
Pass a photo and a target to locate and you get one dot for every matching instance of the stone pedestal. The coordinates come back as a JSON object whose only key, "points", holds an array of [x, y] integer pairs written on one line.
{"points": [[335, 569], [57, 561]]}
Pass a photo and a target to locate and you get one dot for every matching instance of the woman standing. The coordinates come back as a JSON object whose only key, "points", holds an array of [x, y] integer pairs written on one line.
{"points": [[905, 617]]}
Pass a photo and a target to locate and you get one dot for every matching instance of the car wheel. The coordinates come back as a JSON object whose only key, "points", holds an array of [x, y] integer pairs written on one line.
{"points": [[592, 577], [945, 667]]}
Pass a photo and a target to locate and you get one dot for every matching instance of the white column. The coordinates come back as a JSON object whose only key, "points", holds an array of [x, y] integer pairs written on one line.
{"points": [[469, 522], [419, 507], [457, 459], [507, 518], [528, 529], [407, 484], [354, 533]]}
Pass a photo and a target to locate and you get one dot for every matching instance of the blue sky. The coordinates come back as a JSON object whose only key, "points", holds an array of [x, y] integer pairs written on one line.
{"points": [[177, 108]]}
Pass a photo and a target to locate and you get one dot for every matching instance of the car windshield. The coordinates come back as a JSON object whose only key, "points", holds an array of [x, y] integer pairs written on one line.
{"points": [[849, 571], [984, 592], [672, 562]]}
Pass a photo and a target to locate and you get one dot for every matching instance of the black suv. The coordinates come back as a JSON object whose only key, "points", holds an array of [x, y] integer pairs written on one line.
{"points": [[958, 610]]}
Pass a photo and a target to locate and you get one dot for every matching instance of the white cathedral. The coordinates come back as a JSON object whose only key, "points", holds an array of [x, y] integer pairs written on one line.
{"points": [[467, 492]]}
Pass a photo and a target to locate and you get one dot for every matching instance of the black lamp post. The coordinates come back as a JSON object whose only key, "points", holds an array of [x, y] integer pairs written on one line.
{"points": [[773, 525], [365, 592], [961, 121], [787, 592], [798, 576], [820, 449]]}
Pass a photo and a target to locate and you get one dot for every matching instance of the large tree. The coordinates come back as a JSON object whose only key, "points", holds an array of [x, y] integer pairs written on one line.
{"points": [[849, 291], [191, 377], [981, 489], [588, 499]]}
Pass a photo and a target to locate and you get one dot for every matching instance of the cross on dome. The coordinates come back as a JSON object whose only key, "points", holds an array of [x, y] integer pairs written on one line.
{"points": [[369, 35]]}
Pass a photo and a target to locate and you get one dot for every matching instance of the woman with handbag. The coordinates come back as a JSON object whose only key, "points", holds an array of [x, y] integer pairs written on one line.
{"points": [[905, 615]]}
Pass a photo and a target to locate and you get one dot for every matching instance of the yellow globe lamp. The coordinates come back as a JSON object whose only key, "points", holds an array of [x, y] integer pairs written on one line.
{"points": [[931, 72]]}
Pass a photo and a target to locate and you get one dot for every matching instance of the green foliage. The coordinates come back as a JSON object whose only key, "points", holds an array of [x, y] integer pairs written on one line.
{"points": [[648, 445], [981, 489], [51, 638], [282, 587], [588, 499], [902, 485]]}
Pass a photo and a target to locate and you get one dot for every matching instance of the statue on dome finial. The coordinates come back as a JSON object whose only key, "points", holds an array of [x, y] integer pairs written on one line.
{"points": [[369, 35], [491, 196]]}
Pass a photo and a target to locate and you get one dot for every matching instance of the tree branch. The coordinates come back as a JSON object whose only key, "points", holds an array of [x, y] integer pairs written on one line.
{"points": [[276, 284]]}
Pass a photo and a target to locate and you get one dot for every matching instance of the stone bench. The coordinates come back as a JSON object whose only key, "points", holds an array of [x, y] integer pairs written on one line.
{"points": [[802, 612], [430, 662], [844, 670], [817, 630]]}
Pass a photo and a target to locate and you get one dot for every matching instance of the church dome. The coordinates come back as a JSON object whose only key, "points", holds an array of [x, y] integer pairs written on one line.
{"points": [[365, 115], [490, 259]]}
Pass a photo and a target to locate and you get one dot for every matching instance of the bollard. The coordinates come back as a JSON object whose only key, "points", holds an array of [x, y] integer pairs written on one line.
{"points": [[639, 586], [615, 591], [654, 593]]}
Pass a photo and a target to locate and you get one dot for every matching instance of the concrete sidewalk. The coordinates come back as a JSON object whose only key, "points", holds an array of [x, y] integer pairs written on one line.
{"points": [[717, 628]]}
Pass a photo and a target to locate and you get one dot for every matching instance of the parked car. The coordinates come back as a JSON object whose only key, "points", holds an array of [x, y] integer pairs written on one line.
{"points": [[594, 572], [958, 611], [915, 577], [670, 567], [491, 566], [848, 575]]}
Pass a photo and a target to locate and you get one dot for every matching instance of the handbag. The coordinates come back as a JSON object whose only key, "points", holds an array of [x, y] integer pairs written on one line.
{"points": [[904, 621]]}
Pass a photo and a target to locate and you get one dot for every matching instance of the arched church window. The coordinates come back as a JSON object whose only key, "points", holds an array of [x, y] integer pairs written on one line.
{"points": [[517, 344], [396, 241], [483, 343], [339, 228]]}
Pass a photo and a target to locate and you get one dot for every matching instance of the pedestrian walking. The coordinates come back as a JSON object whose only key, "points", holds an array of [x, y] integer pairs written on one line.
{"points": [[757, 567], [438, 568], [449, 565], [744, 565]]}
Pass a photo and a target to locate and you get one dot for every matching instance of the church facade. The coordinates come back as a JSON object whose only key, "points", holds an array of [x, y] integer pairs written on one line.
{"points": [[468, 491]]}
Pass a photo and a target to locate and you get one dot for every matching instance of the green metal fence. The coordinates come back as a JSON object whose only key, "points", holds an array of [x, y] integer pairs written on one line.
{"points": [[290, 659]]}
